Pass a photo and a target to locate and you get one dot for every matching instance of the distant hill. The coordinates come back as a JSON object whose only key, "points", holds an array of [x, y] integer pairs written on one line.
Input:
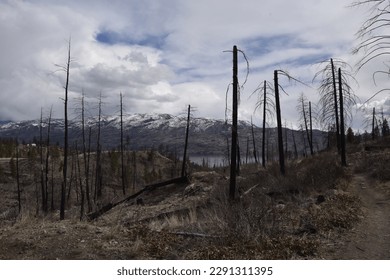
{"points": [[159, 131]]}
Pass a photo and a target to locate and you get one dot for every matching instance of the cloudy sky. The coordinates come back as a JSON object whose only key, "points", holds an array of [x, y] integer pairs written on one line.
{"points": [[164, 55]]}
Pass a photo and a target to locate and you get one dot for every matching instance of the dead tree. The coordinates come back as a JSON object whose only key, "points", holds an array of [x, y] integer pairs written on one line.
{"points": [[268, 106], [279, 124], [304, 109], [342, 127], [98, 171], [295, 143], [254, 142], [85, 156], [82, 191], [43, 191], [233, 156], [123, 175], [18, 178], [183, 168], [374, 39], [373, 134], [45, 204], [329, 95], [66, 137]]}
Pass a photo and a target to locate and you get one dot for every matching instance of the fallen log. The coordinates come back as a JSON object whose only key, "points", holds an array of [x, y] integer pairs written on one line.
{"points": [[196, 234], [109, 206]]}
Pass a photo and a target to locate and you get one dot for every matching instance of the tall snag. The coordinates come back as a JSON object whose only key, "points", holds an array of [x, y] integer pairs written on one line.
{"points": [[46, 201], [233, 156], [85, 156], [183, 168], [98, 173], [17, 178], [268, 107], [123, 175], [65, 164], [304, 109], [279, 123], [342, 127], [329, 98], [254, 142]]}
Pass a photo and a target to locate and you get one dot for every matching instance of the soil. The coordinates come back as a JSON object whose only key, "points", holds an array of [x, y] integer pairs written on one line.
{"points": [[370, 239]]}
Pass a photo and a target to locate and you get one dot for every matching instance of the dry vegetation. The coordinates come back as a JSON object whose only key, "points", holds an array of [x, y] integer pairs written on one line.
{"points": [[303, 215]]}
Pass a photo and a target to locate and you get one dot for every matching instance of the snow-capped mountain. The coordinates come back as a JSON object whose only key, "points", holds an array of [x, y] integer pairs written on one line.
{"points": [[160, 131]]}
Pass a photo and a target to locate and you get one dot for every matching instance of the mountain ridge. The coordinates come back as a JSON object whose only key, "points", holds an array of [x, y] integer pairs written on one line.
{"points": [[159, 131]]}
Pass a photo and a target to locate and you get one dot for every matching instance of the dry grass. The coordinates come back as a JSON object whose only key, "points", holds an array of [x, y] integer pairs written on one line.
{"points": [[275, 217], [375, 163]]}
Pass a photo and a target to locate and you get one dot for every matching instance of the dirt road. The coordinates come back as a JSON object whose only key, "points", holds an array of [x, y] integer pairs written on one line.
{"points": [[370, 239]]}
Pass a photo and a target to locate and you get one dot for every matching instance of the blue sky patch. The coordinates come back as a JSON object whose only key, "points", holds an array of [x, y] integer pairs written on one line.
{"points": [[112, 38]]}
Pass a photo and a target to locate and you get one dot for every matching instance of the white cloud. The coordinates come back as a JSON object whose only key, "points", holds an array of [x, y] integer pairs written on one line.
{"points": [[164, 55]]}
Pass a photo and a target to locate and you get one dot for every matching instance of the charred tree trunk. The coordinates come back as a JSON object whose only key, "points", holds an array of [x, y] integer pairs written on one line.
{"points": [[18, 179], [285, 140], [311, 130], [42, 171], [238, 158], [342, 129], [98, 179], [308, 125], [279, 122], [82, 191], [228, 149], [183, 168], [233, 164], [134, 158], [295, 144], [46, 201], [336, 111], [123, 175], [85, 157], [264, 122], [254, 142], [41, 162], [247, 150], [373, 124], [52, 186], [65, 165]]}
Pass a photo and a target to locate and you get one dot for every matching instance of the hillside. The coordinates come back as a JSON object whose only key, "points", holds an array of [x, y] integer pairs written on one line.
{"points": [[160, 131], [319, 210]]}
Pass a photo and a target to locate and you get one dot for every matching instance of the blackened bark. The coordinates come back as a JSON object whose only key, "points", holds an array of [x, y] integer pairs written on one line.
{"points": [[342, 129], [279, 123], [183, 168], [233, 157], [336, 106]]}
